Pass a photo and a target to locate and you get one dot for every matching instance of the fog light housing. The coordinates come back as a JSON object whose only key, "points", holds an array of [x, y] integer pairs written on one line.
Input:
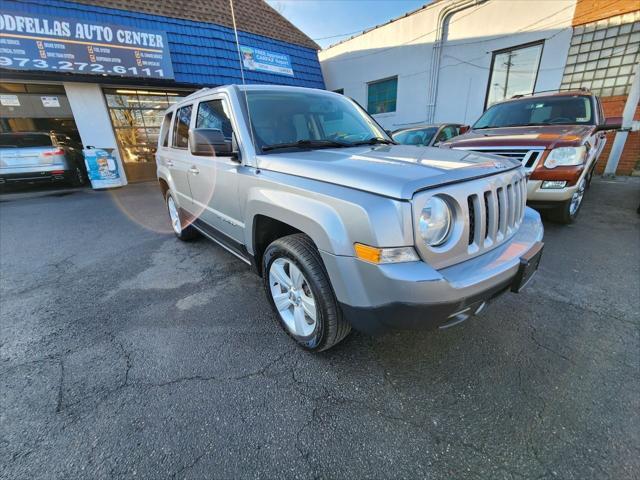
{"points": [[554, 184]]}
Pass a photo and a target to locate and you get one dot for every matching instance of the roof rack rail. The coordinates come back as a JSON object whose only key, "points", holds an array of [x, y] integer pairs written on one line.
{"points": [[580, 89], [202, 90]]}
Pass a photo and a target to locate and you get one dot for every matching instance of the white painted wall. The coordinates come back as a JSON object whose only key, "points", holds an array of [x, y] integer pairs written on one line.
{"points": [[404, 48], [92, 118]]}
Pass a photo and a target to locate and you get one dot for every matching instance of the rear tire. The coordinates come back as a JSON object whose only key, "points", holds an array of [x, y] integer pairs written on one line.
{"points": [[297, 285], [183, 230]]}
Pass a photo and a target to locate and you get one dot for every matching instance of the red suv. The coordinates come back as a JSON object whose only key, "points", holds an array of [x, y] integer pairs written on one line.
{"points": [[558, 138]]}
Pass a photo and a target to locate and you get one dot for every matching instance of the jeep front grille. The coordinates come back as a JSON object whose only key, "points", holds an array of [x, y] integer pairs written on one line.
{"points": [[488, 211], [495, 212]]}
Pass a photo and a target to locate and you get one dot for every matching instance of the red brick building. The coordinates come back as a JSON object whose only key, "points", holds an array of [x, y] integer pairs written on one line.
{"points": [[619, 22]]}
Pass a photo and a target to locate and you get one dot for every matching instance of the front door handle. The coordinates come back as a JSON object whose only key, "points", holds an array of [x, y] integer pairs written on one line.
{"points": [[168, 163], [194, 170]]}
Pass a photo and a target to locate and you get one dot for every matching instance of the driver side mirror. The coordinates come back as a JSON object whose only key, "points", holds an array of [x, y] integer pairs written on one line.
{"points": [[210, 142], [610, 123], [464, 129]]}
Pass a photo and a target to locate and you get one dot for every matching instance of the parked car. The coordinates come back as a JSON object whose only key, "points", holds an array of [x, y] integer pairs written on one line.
{"points": [[428, 135], [345, 227], [31, 157], [557, 137]]}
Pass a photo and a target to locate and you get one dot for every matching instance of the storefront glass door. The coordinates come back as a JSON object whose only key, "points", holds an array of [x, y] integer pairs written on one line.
{"points": [[136, 116]]}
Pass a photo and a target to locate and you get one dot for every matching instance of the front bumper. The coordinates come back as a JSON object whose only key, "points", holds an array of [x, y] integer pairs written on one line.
{"points": [[377, 298], [540, 197]]}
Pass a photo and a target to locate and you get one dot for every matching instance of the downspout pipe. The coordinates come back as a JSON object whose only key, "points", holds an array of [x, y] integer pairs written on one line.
{"points": [[436, 53]]}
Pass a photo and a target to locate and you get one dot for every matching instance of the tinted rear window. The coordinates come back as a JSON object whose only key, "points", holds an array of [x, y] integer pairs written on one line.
{"points": [[24, 140]]}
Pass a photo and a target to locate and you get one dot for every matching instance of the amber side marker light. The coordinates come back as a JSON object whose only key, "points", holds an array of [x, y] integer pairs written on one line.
{"points": [[377, 255]]}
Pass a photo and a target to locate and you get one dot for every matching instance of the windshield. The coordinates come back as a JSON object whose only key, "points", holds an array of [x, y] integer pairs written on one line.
{"points": [[18, 140], [415, 137], [309, 119], [538, 111]]}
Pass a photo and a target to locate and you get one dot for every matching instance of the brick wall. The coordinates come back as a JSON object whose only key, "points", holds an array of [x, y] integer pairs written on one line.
{"points": [[630, 158], [593, 10]]}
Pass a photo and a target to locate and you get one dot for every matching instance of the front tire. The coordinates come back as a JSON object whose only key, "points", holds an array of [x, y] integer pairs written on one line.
{"points": [[299, 291], [567, 212], [182, 229]]}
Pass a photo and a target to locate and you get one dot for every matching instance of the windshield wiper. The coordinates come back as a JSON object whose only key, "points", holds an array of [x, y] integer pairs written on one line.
{"points": [[375, 141], [307, 144]]}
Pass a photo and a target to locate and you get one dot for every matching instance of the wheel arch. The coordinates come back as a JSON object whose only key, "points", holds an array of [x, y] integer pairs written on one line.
{"points": [[274, 214]]}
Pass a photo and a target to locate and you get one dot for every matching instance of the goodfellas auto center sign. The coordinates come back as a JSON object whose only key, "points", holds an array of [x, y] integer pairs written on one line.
{"points": [[43, 43]]}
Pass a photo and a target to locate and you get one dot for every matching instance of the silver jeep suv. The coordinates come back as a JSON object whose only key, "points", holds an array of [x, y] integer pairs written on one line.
{"points": [[345, 227]]}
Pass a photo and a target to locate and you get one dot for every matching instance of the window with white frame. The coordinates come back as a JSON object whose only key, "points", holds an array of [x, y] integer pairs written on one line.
{"points": [[513, 72], [602, 55]]}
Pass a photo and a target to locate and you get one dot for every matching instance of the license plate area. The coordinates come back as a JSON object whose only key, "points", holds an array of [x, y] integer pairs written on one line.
{"points": [[529, 263]]}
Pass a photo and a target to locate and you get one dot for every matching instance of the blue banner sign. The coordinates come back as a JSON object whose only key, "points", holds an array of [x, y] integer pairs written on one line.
{"points": [[265, 61], [102, 167], [71, 46]]}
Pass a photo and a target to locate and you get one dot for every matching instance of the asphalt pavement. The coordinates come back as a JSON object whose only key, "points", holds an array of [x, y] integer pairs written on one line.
{"points": [[125, 353]]}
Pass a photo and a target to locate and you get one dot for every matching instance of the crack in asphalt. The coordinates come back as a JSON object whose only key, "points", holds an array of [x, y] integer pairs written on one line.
{"points": [[60, 403], [532, 335], [189, 466]]}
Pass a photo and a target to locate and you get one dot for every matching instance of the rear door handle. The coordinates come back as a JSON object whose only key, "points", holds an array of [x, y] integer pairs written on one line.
{"points": [[168, 163], [194, 170]]}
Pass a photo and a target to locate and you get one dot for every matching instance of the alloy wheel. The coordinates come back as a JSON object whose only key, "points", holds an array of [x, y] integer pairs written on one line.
{"points": [[173, 213], [576, 199], [292, 297]]}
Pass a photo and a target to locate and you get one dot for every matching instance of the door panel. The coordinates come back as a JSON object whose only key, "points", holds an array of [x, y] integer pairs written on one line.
{"points": [[176, 157], [214, 179]]}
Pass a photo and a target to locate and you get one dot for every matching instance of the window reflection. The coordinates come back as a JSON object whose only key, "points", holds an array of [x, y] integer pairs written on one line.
{"points": [[136, 116], [513, 72]]}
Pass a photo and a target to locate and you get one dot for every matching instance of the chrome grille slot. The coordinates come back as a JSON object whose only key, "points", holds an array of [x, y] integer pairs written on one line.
{"points": [[502, 209], [487, 214], [472, 218], [532, 159], [510, 204], [488, 211]]}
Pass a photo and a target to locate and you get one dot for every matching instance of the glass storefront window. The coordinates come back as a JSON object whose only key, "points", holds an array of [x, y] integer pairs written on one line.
{"points": [[136, 116]]}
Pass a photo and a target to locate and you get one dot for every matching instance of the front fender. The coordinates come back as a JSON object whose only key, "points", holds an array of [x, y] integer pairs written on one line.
{"points": [[313, 217]]}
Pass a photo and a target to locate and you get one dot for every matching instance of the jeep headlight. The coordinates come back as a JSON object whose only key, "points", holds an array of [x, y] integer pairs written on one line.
{"points": [[435, 221], [565, 157]]}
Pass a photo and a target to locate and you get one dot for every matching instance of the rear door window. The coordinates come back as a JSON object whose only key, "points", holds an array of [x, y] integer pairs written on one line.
{"points": [[181, 127], [164, 131], [22, 140]]}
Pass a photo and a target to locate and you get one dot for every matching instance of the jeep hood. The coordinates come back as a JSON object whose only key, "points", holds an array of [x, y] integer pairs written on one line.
{"points": [[396, 171], [548, 136]]}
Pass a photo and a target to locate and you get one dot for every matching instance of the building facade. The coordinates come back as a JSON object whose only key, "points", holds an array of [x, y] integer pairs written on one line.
{"points": [[103, 71], [451, 59]]}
